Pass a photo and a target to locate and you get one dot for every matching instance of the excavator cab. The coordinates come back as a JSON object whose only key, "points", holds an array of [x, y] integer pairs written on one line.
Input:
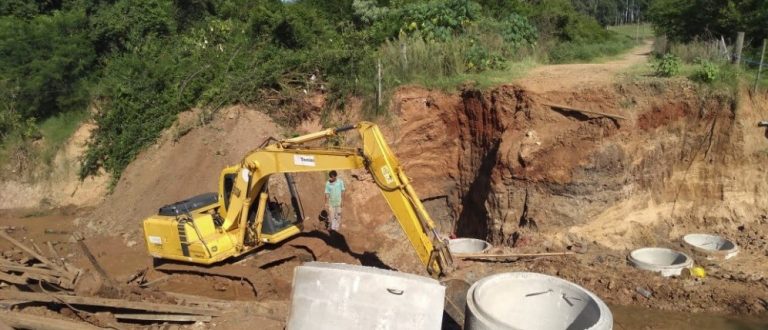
{"points": [[283, 205], [191, 230]]}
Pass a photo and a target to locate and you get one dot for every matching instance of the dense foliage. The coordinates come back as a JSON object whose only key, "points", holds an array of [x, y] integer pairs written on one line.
{"points": [[138, 63], [686, 20]]}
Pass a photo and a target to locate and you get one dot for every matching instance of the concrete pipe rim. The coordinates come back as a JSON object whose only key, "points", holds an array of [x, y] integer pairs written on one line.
{"points": [[704, 243], [604, 321], [466, 245], [637, 255]]}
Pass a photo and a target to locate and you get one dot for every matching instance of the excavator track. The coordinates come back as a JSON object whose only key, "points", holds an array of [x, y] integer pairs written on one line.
{"points": [[253, 269]]}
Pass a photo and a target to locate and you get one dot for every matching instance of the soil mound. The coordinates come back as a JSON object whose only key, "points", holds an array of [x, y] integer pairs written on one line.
{"points": [[176, 167]]}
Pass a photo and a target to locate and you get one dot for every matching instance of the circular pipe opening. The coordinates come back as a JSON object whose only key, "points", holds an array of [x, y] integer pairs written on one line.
{"points": [[468, 245], [712, 246], [533, 301], [666, 261]]}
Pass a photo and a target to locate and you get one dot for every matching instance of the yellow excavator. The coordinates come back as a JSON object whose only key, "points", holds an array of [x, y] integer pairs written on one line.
{"points": [[243, 216]]}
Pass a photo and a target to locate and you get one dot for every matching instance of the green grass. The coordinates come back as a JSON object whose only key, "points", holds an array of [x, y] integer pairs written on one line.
{"points": [[641, 31], [482, 80], [573, 52]]}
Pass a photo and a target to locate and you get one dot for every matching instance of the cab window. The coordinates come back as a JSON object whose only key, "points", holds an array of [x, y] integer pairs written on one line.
{"points": [[229, 182]]}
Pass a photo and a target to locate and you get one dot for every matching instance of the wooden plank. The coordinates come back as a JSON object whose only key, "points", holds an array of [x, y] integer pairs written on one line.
{"points": [[13, 279], [155, 281], [164, 317], [4, 326], [106, 302], [591, 112], [95, 263], [25, 269], [510, 255], [53, 251], [60, 281], [37, 248], [8, 304], [37, 256], [254, 307], [28, 321], [36, 273], [200, 300]]}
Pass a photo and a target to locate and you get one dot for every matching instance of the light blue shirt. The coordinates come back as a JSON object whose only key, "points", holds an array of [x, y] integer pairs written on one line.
{"points": [[334, 190]]}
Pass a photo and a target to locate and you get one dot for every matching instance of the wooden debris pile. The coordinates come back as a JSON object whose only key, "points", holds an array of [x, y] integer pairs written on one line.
{"points": [[33, 268], [29, 278]]}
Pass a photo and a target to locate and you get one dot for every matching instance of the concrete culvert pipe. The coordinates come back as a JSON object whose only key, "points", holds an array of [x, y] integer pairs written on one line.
{"points": [[341, 296], [468, 246], [524, 301], [665, 261], [711, 246]]}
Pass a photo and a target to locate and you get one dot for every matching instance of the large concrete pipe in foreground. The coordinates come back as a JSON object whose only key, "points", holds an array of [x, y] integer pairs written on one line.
{"points": [[524, 301], [665, 261], [341, 296], [468, 245], [712, 247]]}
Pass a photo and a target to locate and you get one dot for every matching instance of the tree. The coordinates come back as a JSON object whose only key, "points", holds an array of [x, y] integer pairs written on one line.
{"points": [[685, 20], [46, 60]]}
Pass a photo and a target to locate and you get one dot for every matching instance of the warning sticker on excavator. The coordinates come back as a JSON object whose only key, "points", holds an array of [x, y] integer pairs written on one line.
{"points": [[387, 173], [155, 239], [304, 160]]}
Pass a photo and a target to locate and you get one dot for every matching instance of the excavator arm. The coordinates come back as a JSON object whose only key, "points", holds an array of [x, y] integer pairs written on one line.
{"points": [[294, 155]]}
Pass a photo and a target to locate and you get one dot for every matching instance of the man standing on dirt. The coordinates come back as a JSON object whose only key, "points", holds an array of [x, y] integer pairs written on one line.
{"points": [[334, 191]]}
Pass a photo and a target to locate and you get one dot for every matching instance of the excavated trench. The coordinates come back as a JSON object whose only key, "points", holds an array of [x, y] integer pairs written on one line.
{"points": [[522, 167]]}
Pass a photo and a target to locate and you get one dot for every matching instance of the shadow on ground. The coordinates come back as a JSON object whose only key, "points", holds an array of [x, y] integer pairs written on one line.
{"points": [[339, 242]]}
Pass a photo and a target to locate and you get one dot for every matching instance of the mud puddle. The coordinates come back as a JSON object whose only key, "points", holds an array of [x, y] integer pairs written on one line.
{"points": [[636, 318]]}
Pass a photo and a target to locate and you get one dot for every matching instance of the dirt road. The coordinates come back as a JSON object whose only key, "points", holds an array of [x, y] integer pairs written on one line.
{"points": [[562, 77]]}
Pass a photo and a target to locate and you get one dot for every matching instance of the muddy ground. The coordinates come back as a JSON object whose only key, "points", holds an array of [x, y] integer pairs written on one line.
{"points": [[654, 159]]}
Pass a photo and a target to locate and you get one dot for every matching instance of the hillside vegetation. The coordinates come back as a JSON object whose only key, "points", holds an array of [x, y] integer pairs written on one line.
{"points": [[135, 64]]}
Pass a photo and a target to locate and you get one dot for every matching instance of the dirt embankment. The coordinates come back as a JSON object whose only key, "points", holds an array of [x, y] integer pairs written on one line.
{"points": [[58, 185], [524, 175], [510, 160]]}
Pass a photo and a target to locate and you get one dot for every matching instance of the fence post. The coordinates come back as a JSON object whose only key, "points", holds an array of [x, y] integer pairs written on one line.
{"points": [[739, 46], [403, 56], [637, 32], [759, 68]]}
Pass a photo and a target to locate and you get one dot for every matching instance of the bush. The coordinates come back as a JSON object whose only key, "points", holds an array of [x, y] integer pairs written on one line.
{"points": [[129, 24], [518, 31], [578, 51], [479, 59], [138, 100], [669, 65], [706, 71], [558, 20], [697, 50], [438, 20]]}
